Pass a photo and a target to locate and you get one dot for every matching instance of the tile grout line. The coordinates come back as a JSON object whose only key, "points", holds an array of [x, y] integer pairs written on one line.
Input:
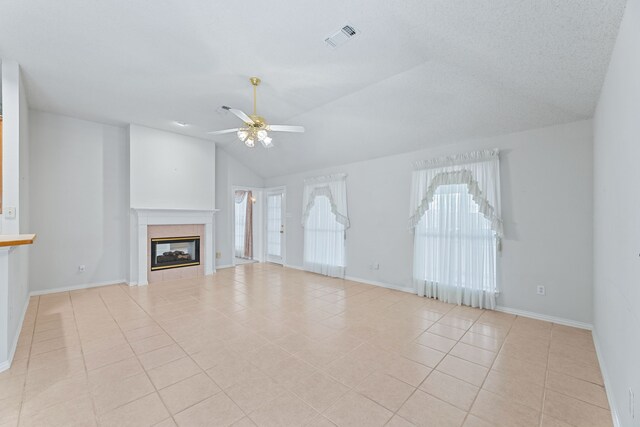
{"points": [[187, 355], [318, 369], [432, 369], [489, 371], [395, 413], [447, 353], [574, 377], [84, 363], [138, 360], [252, 305], [546, 375], [26, 375]]}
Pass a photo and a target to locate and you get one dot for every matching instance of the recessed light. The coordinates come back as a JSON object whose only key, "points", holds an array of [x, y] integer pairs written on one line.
{"points": [[181, 124]]}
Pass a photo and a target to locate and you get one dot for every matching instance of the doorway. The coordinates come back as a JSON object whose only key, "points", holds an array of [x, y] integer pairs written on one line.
{"points": [[244, 248], [275, 216]]}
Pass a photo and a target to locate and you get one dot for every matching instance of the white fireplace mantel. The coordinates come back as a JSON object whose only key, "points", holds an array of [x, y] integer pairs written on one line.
{"points": [[142, 218]]}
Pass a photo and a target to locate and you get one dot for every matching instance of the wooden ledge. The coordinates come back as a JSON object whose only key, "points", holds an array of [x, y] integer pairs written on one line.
{"points": [[16, 239]]}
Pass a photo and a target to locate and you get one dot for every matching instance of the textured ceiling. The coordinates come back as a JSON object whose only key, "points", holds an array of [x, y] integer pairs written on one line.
{"points": [[421, 73]]}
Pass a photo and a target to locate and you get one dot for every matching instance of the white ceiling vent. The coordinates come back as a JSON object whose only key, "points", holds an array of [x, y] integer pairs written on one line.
{"points": [[342, 36]]}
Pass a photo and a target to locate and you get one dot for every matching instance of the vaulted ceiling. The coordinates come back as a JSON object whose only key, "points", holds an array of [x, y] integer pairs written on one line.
{"points": [[420, 73]]}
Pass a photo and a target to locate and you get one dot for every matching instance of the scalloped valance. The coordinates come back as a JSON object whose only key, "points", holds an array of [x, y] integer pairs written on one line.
{"points": [[334, 187], [479, 170]]}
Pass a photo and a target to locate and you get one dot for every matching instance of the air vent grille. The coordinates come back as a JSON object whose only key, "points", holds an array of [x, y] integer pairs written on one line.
{"points": [[341, 36], [349, 30]]}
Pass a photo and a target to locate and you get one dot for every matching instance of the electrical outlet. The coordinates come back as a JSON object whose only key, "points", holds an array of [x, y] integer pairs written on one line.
{"points": [[218, 255], [82, 268], [10, 213], [540, 290], [632, 405]]}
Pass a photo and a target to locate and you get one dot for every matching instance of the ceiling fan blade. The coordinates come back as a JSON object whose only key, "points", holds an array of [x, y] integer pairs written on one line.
{"points": [[221, 132], [285, 128], [240, 114]]}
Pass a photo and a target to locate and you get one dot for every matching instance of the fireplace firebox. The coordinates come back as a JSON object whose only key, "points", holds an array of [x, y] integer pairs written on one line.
{"points": [[175, 252]]}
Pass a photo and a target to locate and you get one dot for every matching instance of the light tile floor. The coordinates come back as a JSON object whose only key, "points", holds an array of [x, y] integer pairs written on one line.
{"points": [[264, 345], [240, 261]]}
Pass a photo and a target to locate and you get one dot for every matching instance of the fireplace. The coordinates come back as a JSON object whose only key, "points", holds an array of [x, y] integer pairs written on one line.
{"points": [[150, 224], [174, 252]]}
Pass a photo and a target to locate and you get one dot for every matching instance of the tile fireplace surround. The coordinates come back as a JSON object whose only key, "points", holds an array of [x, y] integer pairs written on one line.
{"points": [[176, 273], [147, 223]]}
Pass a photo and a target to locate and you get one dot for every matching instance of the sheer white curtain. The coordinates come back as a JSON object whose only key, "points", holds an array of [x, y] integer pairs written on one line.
{"points": [[240, 221], [325, 220], [455, 213]]}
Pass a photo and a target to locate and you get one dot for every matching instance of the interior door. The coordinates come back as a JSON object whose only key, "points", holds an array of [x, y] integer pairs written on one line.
{"points": [[275, 225]]}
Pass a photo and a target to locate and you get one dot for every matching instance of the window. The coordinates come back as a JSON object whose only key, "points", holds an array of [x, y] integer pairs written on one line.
{"points": [[324, 250], [325, 220], [455, 247], [455, 213]]}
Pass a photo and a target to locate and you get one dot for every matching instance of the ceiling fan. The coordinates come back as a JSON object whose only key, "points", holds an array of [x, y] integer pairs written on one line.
{"points": [[256, 128]]}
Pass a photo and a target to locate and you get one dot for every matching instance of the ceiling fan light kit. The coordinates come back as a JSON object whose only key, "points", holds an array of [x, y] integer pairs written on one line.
{"points": [[256, 128]]}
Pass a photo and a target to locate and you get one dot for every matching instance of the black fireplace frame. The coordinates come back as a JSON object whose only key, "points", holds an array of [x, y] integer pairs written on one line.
{"points": [[175, 264]]}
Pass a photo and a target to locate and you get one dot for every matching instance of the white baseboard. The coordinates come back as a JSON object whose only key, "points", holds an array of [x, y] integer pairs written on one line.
{"points": [[12, 350], [380, 284], [523, 313], [78, 287], [361, 280], [132, 284], [608, 387], [220, 267], [547, 318]]}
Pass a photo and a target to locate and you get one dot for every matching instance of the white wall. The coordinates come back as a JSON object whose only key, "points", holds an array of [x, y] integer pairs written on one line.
{"points": [[229, 173], [171, 171], [547, 212], [82, 173], [23, 253], [617, 220], [13, 127], [79, 202], [14, 277]]}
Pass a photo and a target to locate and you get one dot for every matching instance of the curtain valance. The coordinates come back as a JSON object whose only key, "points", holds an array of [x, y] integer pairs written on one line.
{"points": [[239, 196], [479, 170], [334, 187]]}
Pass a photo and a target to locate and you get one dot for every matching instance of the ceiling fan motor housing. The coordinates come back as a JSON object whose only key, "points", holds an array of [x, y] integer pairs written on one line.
{"points": [[258, 122]]}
